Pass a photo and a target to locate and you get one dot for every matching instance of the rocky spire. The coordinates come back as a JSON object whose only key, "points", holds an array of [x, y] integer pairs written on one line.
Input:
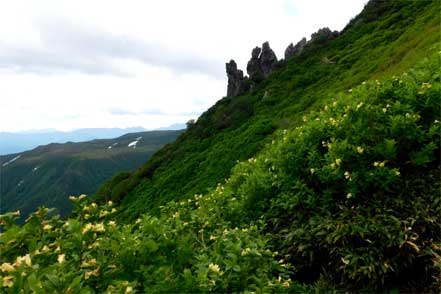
{"points": [[262, 63], [292, 50], [253, 66], [268, 59], [236, 81]]}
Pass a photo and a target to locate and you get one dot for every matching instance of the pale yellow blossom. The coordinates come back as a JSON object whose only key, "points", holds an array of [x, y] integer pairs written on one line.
{"points": [[61, 258], [7, 281], [7, 267]]}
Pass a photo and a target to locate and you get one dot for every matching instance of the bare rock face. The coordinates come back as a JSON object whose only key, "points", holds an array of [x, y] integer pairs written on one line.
{"points": [[236, 81], [253, 67], [262, 63], [292, 50], [268, 59], [323, 35]]}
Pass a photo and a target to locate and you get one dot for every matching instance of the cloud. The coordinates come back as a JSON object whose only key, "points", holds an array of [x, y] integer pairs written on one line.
{"points": [[69, 47]]}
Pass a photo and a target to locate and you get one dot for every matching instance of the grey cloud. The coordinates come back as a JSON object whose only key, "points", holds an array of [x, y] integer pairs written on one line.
{"points": [[68, 47]]}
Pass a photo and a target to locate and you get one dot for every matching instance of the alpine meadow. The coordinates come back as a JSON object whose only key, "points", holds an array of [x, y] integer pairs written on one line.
{"points": [[319, 172]]}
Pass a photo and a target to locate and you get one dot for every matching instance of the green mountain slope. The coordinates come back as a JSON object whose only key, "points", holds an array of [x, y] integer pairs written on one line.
{"points": [[336, 187], [348, 201], [46, 175], [387, 37]]}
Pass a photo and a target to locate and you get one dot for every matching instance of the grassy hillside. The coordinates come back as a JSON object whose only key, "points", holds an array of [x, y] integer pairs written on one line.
{"points": [[348, 201], [46, 175], [386, 38], [324, 178]]}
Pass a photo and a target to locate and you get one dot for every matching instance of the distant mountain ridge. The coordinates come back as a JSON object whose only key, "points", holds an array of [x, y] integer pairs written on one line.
{"points": [[14, 142], [48, 174]]}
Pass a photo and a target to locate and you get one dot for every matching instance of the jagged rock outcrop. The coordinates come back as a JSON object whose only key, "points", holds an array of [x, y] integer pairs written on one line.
{"points": [[236, 81], [292, 50], [253, 67], [268, 59], [262, 63], [323, 35]]}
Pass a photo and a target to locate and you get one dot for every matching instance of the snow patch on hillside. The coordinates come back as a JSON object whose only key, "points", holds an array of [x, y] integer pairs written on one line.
{"points": [[133, 144], [12, 160]]}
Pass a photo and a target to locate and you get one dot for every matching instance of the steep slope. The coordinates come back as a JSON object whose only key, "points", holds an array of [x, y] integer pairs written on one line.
{"points": [[46, 175], [387, 37], [343, 199], [347, 202]]}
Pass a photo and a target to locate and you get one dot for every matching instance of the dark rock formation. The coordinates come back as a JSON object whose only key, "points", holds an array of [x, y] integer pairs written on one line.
{"points": [[262, 63], [268, 59], [323, 35], [253, 67], [236, 81], [292, 50]]}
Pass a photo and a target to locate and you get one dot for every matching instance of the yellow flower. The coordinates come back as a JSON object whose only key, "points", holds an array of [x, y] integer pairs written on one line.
{"points": [[94, 273], [286, 284], [384, 110], [338, 161], [382, 164], [89, 263], [312, 170], [82, 196], [61, 258], [47, 227], [26, 259], [215, 268], [245, 251], [7, 267], [129, 289], [7, 281], [213, 237], [349, 195], [86, 228], [360, 150], [376, 163], [72, 198]]}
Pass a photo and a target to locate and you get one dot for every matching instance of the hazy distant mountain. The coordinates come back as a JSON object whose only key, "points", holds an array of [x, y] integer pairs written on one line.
{"points": [[48, 174], [27, 140], [178, 126]]}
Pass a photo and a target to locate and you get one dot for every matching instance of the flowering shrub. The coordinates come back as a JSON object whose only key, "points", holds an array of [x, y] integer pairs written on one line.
{"points": [[350, 199], [186, 249], [353, 193]]}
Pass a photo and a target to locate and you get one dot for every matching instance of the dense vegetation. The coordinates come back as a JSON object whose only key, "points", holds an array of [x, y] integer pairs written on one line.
{"points": [[325, 178], [47, 174], [349, 200], [386, 38]]}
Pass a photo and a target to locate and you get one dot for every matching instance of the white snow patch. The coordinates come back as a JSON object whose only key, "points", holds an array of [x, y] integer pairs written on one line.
{"points": [[114, 144], [139, 138], [20, 183], [110, 147], [12, 160], [35, 168], [133, 144]]}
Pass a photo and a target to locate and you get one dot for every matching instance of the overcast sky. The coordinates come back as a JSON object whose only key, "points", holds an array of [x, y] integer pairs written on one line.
{"points": [[69, 64]]}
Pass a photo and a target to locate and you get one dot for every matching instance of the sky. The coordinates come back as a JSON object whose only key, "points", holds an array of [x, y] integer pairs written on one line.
{"points": [[71, 64]]}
